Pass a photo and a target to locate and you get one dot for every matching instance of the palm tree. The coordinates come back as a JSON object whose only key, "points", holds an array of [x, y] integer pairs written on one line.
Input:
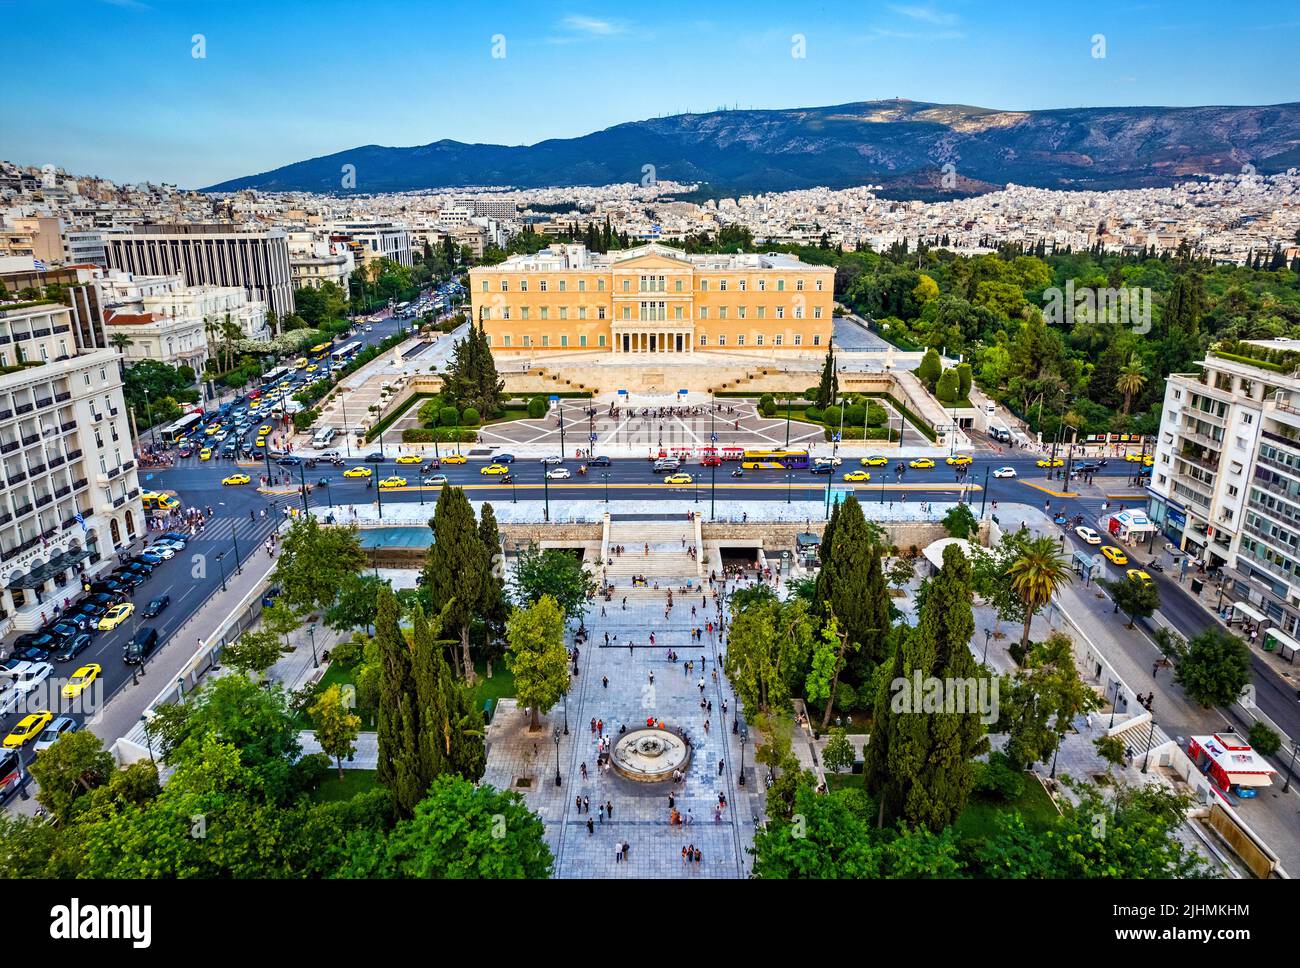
{"points": [[119, 342], [1036, 575], [230, 332], [1131, 380], [210, 331]]}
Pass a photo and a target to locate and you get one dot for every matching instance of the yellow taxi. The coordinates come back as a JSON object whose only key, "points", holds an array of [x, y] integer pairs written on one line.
{"points": [[958, 460], [357, 472], [388, 482], [1136, 574], [678, 479], [236, 479], [495, 469], [1135, 458], [875, 460], [1050, 462], [213, 429], [115, 616], [455, 459], [260, 442], [205, 453], [857, 477], [921, 463], [300, 362], [263, 430], [1114, 555], [81, 680], [409, 459], [311, 368], [28, 728]]}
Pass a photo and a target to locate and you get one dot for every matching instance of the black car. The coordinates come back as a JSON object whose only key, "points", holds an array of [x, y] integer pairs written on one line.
{"points": [[141, 568], [289, 460], [600, 462], [26, 639], [92, 610], [112, 586], [141, 646], [377, 457], [36, 652], [156, 605], [127, 577], [177, 536], [73, 647], [147, 558], [823, 468], [504, 459], [65, 628]]}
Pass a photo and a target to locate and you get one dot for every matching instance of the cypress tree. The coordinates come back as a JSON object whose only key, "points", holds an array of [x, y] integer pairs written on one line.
{"points": [[398, 767], [493, 609], [455, 568], [856, 598], [918, 763], [427, 667], [829, 388]]}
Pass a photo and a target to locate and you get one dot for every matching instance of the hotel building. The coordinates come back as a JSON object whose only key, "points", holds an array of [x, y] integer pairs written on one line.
{"points": [[70, 494], [1225, 485], [654, 299]]}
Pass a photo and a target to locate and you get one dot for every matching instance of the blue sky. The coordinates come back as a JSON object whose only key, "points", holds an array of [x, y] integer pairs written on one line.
{"points": [[112, 87]]}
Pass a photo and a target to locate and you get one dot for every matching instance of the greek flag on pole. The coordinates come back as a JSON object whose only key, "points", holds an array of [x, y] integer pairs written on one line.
{"points": [[82, 521], [40, 265]]}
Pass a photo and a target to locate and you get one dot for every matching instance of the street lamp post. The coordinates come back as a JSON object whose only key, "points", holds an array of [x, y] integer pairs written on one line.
{"points": [[546, 492], [985, 496], [789, 486], [787, 420], [153, 431], [325, 482], [302, 480], [605, 475], [744, 735], [988, 634], [223, 570], [235, 543], [1290, 766], [315, 662], [713, 490], [1151, 734], [347, 431], [556, 736], [144, 721], [1113, 703]]}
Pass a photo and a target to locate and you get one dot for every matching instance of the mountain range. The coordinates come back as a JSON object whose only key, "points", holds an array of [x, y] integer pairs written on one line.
{"points": [[908, 148]]}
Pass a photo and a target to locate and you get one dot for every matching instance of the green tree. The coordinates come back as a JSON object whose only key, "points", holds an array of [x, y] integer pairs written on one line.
{"points": [[1036, 574], [960, 522], [918, 762], [398, 767], [314, 562], [537, 656], [1037, 705], [554, 572], [450, 724], [946, 388], [71, 768], [1215, 667], [838, 754], [1134, 597], [336, 728], [829, 388], [930, 368], [460, 832], [493, 608], [253, 652], [827, 663], [1264, 739], [357, 603], [456, 568], [769, 646]]}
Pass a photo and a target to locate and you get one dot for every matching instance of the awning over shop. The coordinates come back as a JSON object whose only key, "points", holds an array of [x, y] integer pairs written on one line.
{"points": [[59, 563], [1134, 521], [1248, 611]]}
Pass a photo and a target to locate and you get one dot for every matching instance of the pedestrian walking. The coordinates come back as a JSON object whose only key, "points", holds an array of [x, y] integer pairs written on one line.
{"points": [[586, 806], [721, 765], [591, 827], [604, 681], [609, 808]]}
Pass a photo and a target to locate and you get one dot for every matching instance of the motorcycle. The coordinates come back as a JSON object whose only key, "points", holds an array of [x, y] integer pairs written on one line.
{"points": [[582, 468], [738, 472], [311, 463], [336, 461]]}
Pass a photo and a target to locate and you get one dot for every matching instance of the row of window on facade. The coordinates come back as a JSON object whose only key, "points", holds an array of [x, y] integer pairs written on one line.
{"points": [[504, 340], [654, 284], [649, 312]]}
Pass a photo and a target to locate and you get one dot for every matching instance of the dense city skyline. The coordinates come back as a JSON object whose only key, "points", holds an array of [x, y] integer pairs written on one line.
{"points": [[175, 123]]}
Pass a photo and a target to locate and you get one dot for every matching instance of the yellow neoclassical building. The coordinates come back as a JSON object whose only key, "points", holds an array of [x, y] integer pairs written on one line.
{"points": [[654, 299]]}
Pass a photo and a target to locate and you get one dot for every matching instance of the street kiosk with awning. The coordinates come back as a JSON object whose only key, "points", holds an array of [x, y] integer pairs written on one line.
{"points": [[1230, 763], [1287, 646], [1244, 610]]}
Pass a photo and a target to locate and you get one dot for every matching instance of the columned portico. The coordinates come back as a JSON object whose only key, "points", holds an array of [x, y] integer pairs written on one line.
{"points": [[642, 340]]}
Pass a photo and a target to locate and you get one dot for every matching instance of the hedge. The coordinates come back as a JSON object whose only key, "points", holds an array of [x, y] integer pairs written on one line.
{"points": [[423, 435]]}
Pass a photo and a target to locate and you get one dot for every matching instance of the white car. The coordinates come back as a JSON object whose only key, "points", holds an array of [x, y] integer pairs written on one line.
{"points": [[1005, 472], [553, 459], [1087, 535], [26, 676], [558, 473], [828, 461], [163, 549]]}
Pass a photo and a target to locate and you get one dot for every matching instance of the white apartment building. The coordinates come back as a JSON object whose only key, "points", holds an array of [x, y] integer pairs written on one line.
{"points": [[314, 260], [378, 240], [214, 255], [71, 495], [1226, 481]]}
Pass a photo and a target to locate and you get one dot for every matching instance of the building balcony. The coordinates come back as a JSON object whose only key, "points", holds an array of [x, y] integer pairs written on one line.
{"points": [[23, 509], [74, 454], [69, 426], [16, 477], [44, 401], [9, 447], [63, 491], [43, 499], [63, 397], [24, 408], [80, 484], [30, 439], [36, 469]]}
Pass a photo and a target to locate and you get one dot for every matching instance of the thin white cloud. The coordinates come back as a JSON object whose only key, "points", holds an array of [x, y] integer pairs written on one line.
{"points": [[592, 26], [927, 15]]}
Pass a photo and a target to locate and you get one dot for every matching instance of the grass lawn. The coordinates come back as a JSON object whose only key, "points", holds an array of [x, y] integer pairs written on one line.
{"points": [[336, 674], [980, 818], [509, 413], [844, 781], [501, 685], [353, 782]]}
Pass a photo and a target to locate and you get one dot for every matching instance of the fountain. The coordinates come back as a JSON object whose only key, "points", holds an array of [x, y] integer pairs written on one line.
{"points": [[649, 755]]}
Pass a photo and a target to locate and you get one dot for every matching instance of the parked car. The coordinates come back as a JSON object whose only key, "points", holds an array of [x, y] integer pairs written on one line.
{"points": [[553, 459], [156, 605], [141, 646], [73, 647], [131, 579], [60, 726], [35, 653]]}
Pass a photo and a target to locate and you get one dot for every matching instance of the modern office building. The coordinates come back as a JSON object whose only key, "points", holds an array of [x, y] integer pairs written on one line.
{"points": [[1225, 485], [377, 240], [257, 260], [70, 494], [654, 299], [53, 242]]}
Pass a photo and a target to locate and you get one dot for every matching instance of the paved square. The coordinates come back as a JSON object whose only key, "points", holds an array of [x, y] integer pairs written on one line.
{"points": [[640, 810]]}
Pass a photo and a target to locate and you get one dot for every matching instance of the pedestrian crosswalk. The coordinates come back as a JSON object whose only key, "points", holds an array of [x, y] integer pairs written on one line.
{"points": [[227, 529]]}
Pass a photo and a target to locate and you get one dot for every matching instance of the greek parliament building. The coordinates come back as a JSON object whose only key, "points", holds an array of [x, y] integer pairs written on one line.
{"points": [[654, 299], [211, 255]]}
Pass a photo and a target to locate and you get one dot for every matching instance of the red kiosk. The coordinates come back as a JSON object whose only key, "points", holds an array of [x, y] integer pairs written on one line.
{"points": [[1230, 763]]}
